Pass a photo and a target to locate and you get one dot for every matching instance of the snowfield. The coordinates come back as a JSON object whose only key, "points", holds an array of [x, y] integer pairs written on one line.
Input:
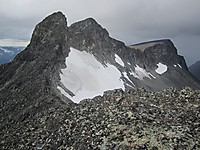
{"points": [[86, 77]]}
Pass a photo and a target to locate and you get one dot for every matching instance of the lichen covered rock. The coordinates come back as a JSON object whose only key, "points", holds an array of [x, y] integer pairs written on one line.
{"points": [[139, 119]]}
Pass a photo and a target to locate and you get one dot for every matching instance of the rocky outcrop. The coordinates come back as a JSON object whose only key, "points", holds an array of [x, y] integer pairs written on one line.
{"points": [[88, 35], [28, 82], [128, 120], [159, 51]]}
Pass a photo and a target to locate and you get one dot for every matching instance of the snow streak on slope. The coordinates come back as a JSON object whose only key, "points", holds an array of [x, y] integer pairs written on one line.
{"points": [[126, 76], [179, 66], [141, 73], [161, 68], [86, 77], [119, 60]]}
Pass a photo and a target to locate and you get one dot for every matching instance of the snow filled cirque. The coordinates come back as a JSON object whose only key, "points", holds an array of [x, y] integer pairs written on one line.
{"points": [[86, 77]]}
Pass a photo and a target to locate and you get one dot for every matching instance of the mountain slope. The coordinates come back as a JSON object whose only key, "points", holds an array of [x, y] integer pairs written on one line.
{"points": [[27, 83], [44, 63], [138, 68], [195, 70]]}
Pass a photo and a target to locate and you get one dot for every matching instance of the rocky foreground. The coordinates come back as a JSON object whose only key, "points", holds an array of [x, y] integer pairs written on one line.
{"points": [[118, 120]]}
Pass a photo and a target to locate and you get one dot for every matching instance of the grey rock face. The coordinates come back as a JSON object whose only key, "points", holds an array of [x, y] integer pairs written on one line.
{"points": [[195, 70], [165, 52], [88, 35], [27, 83]]}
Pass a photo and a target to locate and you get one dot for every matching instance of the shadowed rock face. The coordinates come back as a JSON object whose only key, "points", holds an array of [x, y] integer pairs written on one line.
{"points": [[195, 70], [160, 51], [29, 93]]}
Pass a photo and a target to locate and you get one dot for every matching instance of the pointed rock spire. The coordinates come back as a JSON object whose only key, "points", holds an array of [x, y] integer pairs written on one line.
{"points": [[49, 39], [52, 26]]}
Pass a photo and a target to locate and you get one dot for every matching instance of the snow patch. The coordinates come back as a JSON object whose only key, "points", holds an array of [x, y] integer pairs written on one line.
{"points": [[161, 68], [86, 77], [130, 86], [126, 76], [179, 65], [140, 73], [119, 60], [129, 63], [151, 75], [63, 91]]}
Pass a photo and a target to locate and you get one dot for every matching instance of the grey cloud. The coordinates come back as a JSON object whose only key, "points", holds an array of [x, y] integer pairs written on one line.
{"points": [[131, 21]]}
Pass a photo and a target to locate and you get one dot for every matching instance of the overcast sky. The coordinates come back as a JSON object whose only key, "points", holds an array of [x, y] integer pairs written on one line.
{"points": [[131, 21]]}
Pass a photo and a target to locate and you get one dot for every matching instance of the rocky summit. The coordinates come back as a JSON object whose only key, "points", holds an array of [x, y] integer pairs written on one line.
{"points": [[75, 87]]}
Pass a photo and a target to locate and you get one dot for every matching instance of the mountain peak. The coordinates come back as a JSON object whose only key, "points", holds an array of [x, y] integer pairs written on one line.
{"points": [[90, 20], [54, 24], [88, 26], [50, 37], [55, 18], [88, 35]]}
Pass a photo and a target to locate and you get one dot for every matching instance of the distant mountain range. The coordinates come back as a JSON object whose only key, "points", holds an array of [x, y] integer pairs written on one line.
{"points": [[195, 70], [7, 53]]}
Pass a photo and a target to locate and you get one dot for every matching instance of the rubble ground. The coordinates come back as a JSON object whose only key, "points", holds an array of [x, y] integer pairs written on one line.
{"points": [[118, 120]]}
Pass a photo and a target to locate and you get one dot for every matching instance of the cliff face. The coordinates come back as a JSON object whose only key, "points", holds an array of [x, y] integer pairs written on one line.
{"points": [[160, 51], [195, 70], [64, 64]]}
